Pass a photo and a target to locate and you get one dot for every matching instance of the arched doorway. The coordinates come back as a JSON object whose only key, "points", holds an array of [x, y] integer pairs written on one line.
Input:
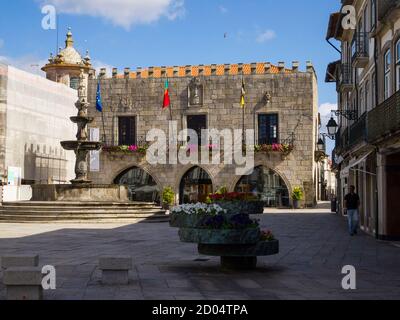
{"points": [[195, 186], [141, 185], [268, 185]]}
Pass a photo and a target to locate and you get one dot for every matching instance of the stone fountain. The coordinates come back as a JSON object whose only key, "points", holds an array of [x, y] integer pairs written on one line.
{"points": [[82, 146], [81, 188]]}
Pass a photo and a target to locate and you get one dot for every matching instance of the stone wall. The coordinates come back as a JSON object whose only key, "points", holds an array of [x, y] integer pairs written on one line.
{"points": [[293, 98]]}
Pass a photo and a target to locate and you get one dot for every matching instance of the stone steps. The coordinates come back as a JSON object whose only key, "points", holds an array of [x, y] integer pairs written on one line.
{"points": [[74, 212]]}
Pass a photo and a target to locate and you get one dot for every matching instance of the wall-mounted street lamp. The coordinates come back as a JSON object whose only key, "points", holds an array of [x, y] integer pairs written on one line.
{"points": [[332, 128]]}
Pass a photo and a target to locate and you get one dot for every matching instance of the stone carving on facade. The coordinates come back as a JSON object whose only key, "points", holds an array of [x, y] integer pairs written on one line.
{"points": [[195, 92]]}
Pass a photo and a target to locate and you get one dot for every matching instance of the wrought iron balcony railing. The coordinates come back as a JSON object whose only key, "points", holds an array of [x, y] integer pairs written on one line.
{"points": [[384, 119], [360, 49], [358, 131], [345, 82]]}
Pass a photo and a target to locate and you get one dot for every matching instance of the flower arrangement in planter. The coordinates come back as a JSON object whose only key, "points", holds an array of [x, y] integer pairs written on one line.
{"points": [[297, 196], [237, 202], [236, 238], [267, 236], [276, 147], [168, 198], [141, 150]]}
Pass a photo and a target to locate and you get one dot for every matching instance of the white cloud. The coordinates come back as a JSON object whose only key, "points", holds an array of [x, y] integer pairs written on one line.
{"points": [[97, 65], [27, 63], [325, 111], [266, 36], [223, 9], [124, 13]]}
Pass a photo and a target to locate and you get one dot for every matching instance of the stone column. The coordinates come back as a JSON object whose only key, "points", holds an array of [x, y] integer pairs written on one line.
{"points": [[381, 179]]}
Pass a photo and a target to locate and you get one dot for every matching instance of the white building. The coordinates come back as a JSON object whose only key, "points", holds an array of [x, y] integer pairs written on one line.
{"points": [[34, 119]]}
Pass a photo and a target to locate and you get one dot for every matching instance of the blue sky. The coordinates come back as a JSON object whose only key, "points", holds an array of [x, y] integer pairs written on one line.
{"points": [[175, 32]]}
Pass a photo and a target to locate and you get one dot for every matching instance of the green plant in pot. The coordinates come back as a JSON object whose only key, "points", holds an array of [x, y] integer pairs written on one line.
{"points": [[297, 196], [168, 198]]}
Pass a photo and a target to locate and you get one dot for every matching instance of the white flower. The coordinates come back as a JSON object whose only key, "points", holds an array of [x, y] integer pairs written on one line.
{"points": [[198, 208]]}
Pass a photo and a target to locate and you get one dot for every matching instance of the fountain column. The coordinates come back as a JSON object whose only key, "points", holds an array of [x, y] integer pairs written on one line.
{"points": [[82, 146]]}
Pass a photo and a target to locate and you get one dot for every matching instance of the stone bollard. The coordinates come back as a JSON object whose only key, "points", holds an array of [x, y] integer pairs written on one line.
{"points": [[115, 270], [23, 283], [19, 261]]}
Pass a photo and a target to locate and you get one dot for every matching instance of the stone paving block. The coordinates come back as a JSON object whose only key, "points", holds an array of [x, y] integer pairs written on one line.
{"points": [[115, 263], [115, 277], [19, 261], [23, 276], [23, 283]]}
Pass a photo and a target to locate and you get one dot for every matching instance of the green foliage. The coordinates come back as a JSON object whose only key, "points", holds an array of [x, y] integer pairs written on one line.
{"points": [[168, 196], [297, 194]]}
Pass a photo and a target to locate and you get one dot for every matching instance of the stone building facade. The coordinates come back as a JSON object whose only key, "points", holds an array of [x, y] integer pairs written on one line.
{"points": [[367, 77], [281, 107]]}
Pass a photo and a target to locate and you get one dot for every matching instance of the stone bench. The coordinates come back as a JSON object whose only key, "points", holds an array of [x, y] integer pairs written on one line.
{"points": [[115, 270], [23, 283], [19, 261]]}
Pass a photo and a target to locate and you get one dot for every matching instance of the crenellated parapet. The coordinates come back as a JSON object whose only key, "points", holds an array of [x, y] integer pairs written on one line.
{"points": [[255, 68]]}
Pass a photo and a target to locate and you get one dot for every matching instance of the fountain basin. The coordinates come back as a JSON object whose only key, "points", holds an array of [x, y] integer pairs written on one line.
{"points": [[81, 145], [78, 119], [80, 192]]}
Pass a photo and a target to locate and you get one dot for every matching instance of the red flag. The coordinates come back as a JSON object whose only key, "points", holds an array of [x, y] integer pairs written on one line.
{"points": [[167, 100]]}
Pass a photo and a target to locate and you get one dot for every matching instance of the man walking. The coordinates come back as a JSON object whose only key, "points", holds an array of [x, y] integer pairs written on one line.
{"points": [[351, 204]]}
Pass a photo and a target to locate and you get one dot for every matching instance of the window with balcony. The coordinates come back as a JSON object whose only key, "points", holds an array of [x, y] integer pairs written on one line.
{"points": [[373, 14], [373, 90], [387, 82], [398, 65], [367, 96], [361, 108], [268, 128], [126, 131]]}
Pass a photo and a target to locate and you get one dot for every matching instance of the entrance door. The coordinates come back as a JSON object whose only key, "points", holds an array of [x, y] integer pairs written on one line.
{"points": [[195, 186], [197, 123]]}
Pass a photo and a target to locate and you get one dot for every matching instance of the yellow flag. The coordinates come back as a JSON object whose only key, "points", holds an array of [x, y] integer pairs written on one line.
{"points": [[243, 95]]}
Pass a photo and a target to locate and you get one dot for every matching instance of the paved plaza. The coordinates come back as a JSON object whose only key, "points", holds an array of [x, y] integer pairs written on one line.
{"points": [[314, 248]]}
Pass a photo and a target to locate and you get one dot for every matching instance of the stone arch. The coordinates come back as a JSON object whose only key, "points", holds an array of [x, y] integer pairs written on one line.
{"points": [[284, 201], [201, 193], [141, 188], [236, 179]]}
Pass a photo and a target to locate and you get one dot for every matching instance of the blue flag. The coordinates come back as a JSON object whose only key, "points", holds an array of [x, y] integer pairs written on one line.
{"points": [[99, 104]]}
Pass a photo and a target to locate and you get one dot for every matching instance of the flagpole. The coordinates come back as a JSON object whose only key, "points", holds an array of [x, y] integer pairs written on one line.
{"points": [[104, 128]]}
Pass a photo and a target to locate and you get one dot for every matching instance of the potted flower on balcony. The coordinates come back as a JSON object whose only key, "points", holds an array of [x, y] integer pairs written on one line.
{"points": [[297, 196], [168, 198]]}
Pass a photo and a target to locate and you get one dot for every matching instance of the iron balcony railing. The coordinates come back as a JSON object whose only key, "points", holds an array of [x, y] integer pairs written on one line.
{"points": [[345, 77], [285, 139], [358, 131], [342, 141], [384, 119], [360, 45]]}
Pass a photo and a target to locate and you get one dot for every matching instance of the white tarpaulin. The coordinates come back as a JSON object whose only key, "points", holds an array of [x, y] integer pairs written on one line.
{"points": [[94, 155], [345, 172]]}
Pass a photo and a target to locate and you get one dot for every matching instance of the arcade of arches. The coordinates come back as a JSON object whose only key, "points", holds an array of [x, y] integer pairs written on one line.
{"points": [[196, 184]]}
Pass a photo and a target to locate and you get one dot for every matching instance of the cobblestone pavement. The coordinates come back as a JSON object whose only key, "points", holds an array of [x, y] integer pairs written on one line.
{"points": [[314, 248]]}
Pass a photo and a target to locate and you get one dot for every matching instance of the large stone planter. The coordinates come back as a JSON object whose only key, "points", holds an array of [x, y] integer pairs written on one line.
{"points": [[222, 237], [242, 207], [185, 220]]}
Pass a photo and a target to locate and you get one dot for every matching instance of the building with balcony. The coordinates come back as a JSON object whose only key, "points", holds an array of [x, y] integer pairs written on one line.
{"points": [[281, 108], [367, 152]]}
